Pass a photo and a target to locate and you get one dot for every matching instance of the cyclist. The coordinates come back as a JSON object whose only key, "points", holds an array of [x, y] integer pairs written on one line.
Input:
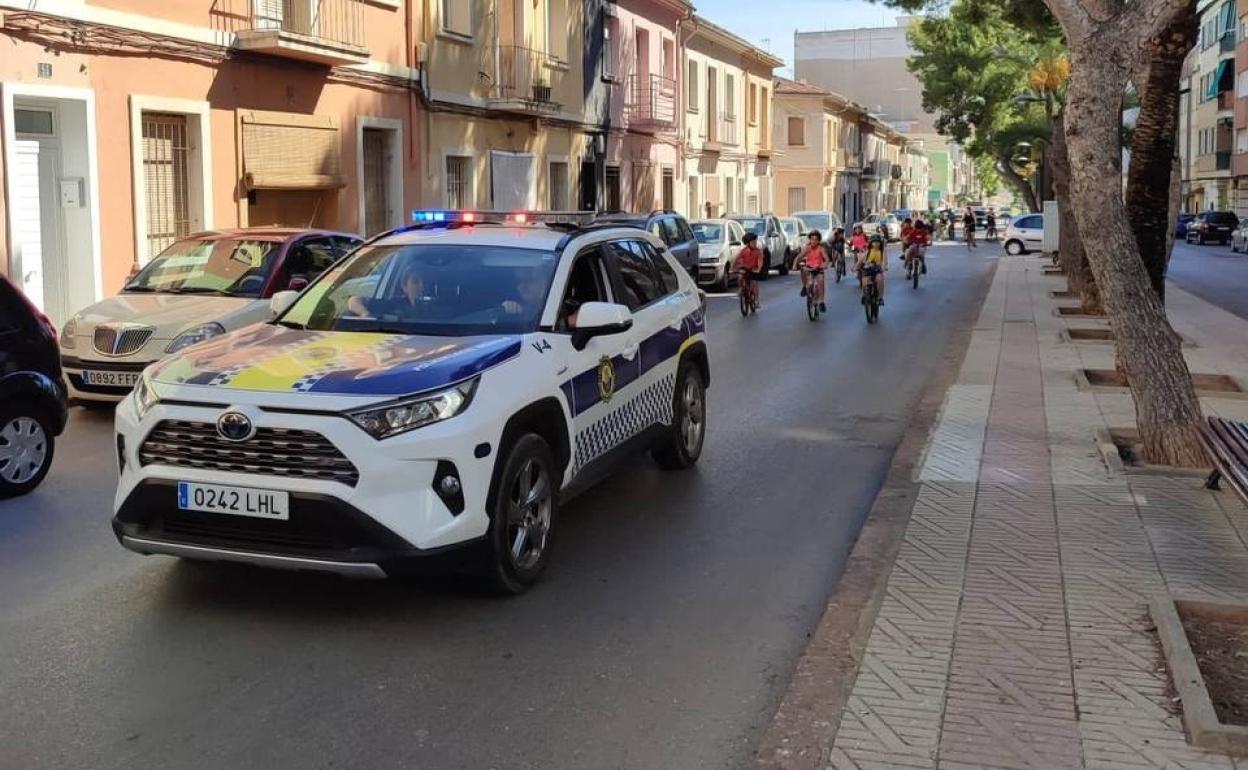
{"points": [[990, 229], [907, 229], [837, 247], [916, 252], [871, 263], [749, 266], [968, 222], [858, 242], [812, 261]]}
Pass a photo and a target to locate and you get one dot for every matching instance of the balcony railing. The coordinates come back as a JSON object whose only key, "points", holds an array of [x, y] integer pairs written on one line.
{"points": [[651, 101], [1228, 41], [728, 128], [524, 82], [323, 31]]}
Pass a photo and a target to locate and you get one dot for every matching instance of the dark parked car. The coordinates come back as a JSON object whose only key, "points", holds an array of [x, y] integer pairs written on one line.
{"points": [[1211, 226], [672, 228], [33, 405], [1180, 226]]}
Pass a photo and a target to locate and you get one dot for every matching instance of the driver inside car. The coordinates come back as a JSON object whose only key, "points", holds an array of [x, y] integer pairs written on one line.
{"points": [[409, 304], [530, 294]]}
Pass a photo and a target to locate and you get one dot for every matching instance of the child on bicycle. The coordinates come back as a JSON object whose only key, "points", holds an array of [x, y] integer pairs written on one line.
{"points": [[813, 260], [858, 241], [749, 265], [871, 264], [837, 247], [916, 252]]}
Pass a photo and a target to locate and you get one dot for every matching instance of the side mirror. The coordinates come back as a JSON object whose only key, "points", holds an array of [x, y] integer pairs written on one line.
{"points": [[281, 301], [600, 319]]}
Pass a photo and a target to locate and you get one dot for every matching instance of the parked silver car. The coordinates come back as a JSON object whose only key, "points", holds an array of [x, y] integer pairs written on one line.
{"points": [[770, 238], [825, 222], [719, 240], [794, 234], [1024, 234]]}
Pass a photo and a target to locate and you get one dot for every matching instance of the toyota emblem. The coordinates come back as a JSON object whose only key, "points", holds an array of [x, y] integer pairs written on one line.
{"points": [[235, 426]]}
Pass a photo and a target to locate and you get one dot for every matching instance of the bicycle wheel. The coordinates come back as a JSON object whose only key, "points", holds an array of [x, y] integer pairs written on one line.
{"points": [[840, 271], [743, 297], [914, 273], [812, 308]]}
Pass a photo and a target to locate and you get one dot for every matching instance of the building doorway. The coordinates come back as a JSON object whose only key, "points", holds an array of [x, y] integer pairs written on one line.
{"points": [[381, 174], [50, 167]]}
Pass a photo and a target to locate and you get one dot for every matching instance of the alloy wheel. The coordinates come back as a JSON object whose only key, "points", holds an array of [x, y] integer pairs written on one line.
{"points": [[693, 418], [529, 514]]}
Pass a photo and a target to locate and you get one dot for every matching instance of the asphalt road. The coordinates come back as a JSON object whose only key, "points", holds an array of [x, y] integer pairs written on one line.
{"points": [[663, 634], [1213, 273]]}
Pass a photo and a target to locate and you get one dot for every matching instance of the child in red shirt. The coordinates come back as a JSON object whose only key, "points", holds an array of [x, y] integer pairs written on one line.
{"points": [[749, 263], [813, 261]]}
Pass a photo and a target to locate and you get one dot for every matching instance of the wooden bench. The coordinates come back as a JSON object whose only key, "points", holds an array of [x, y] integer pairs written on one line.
{"points": [[1227, 443]]}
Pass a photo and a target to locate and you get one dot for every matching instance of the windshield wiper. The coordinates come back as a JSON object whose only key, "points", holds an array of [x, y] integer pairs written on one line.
{"points": [[291, 324], [138, 288], [199, 290]]}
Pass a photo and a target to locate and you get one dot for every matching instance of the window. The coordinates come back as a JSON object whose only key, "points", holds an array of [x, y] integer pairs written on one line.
{"points": [[556, 29], [669, 189], [671, 231], [457, 17], [306, 260], [797, 132], [458, 182], [38, 122], [730, 97], [669, 58], [694, 199], [613, 188], [639, 282], [558, 186], [166, 179], [1241, 139], [586, 283], [667, 274], [797, 199], [691, 87], [610, 38], [1241, 86], [751, 107], [764, 139], [643, 186]]}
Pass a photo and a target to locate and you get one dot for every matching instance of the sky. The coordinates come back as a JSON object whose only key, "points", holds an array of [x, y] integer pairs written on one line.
{"points": [[760, 21]]}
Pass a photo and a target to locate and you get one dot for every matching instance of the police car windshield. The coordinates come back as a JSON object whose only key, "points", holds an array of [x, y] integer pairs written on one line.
{"points": [[432, 289]]}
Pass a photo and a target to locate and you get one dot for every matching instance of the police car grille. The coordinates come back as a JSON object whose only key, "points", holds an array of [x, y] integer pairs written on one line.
{"points": [[300, 454]]}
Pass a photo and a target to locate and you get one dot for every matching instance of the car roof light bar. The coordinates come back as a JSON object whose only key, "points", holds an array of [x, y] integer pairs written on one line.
{"points": [[463, 216]]}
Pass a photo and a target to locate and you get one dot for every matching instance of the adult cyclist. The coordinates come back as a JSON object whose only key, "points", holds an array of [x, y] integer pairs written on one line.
{"points": [[968, 223]]}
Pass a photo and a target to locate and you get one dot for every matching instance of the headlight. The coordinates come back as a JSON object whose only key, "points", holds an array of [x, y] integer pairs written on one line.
{"points": [[195, 335], [144, 397], [68, 333], [411, 413]]}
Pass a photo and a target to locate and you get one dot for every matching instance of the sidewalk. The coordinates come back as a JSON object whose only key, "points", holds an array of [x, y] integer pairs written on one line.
{"points": [[1014, 630]]}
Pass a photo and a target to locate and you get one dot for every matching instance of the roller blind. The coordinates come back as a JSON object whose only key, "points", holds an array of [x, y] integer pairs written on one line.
{"points": [[289, 151]]}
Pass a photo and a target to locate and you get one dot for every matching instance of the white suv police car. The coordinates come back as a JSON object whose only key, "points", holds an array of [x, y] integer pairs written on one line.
{"points": [[438, 392]]}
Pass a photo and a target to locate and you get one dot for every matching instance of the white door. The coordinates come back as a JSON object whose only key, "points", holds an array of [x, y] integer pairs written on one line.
{"points": [[36, 217]]}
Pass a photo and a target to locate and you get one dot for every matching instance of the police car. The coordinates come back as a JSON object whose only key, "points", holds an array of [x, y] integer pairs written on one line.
{"points": [[439, 392]]}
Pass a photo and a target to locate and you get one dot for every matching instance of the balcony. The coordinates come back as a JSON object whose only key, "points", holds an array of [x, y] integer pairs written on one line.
{"points": [[524, 84], [329, 32], [1226, 100], [651, 101], [728, 128], [1227, 43], [1222, 161]]}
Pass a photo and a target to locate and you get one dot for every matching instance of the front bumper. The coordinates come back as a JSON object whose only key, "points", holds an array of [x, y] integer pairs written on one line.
{"points": [[711, 272], [79, 390], [388, 520]]}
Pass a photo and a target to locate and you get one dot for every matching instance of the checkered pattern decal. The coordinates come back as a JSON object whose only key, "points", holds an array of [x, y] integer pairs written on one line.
{"points": [[653, 404]]}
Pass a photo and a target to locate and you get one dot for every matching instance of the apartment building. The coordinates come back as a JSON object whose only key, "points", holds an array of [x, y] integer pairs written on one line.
{"points": [[504, 103], [636, 102], [818, 157], [1239, 158], [726, 122], [1208, 110], [130, 123]]}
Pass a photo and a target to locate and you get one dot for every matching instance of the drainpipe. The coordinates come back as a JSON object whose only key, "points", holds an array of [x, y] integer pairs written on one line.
{"points": [[686, 27]]}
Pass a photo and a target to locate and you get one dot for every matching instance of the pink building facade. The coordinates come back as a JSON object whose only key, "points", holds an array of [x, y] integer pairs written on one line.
{"points": [[642, 65], [127, 124]]}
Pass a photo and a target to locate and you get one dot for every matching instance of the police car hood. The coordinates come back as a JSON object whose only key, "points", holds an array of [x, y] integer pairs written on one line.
{"points": [[275, 359]]}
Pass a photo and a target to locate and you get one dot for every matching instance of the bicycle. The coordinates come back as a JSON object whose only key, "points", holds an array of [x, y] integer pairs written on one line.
{"points": [[970, 238], [747, 292], [914, 262], [814, 284], [871, 296], [838, 263]]}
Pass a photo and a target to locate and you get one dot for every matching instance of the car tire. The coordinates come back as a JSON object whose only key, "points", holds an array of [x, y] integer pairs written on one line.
{"points": [[721, 283], [1014, 248], [515, 564], [682, 445], [26, 448]]}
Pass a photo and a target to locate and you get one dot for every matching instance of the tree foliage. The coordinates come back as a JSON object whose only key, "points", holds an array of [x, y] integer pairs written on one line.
{"points": [[973, 62]]}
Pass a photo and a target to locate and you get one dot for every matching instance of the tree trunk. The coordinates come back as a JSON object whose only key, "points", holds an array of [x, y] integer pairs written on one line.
{"points": [[1021, 185], [1073, 259], [1166, 409], [1176, 201], [1153, 144]]}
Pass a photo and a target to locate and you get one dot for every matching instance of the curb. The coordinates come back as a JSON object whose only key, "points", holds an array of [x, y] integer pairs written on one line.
{"points": [[803, 729]]}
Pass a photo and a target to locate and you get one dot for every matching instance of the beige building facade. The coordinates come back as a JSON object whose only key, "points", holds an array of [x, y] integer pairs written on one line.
{"points": [[818, 158]]}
